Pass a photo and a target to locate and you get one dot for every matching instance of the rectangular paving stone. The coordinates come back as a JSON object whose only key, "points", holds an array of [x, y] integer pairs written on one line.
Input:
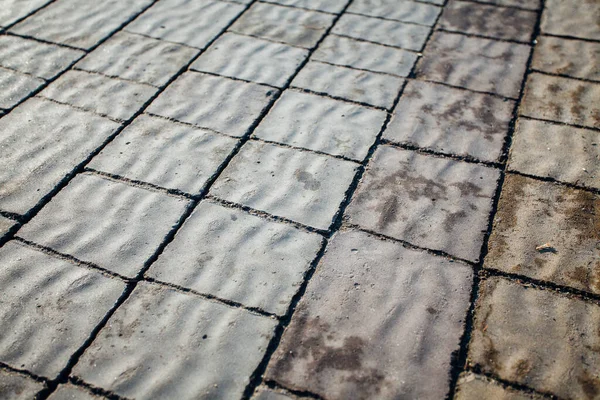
{"points": [[15, 386], [113, 225], [71, 392], [240, 257], [14, 87], [264, 393], [319, 123], [13, 10], [577, 18], [399, 10], [477, 387], [451, 121], [575, 58], [332, 6], [165, 344], [473, 63], [437, 203], [361, 86], [51, 307], [532, 213], [41, 142], [538, 338], [338, 347], [562, 99], [304, 187], [561, 152], [221, 104], [525, 4]]}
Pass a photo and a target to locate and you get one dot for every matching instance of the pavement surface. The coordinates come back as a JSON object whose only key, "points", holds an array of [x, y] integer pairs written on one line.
{"points": [[287, 199]]}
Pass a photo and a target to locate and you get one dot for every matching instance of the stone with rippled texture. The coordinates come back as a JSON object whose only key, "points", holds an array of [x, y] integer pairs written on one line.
{"points": [[111, 224], [264, 393], [42, 142], [14, 87], [13, 10], [524, 4], [577, 18], [539, 338], [331, 6], [377, 321], [477, 387], [51, 307], [399, 10], [14, 386], [68, 391], [166, 344], [576, 58]]}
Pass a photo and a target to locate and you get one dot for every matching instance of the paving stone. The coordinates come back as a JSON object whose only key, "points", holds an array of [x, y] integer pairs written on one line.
{"points": [[5, 225], [556, 151], [165, 153], [473, 63], [562, 99], [301, 186], [189, 347], [332, 6], [361, 86], [319, 123], [18, 387], [138, 58], [15, 87], [284, 24], [72, 392], [405, 11], [391, 33], [192, 22], [575, 58], [431, 202], [264, 393], [532, 213], [437, 2], [13, 10], [51, 306], [236, 256], [41, 142], [491, 21], [251, 59], [113, 225], [578, 18], [80, 23], [525, 4], [338, 347], [538, 338], [212, 102], [451, 121], [363, 55], [477, 387]]}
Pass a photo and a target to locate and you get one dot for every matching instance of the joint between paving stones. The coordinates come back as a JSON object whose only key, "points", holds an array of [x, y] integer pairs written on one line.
{"points": [[590, 128], [476, 369], [474, 35], [571, 37], [23, 372], [555, 181], [305, 394], [77, 381], [501, 5]]}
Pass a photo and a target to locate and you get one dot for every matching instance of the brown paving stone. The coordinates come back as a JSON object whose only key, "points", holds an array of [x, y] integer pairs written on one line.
{"points": [[579, 18], [576, 58], [476, 387], [525, 4]]}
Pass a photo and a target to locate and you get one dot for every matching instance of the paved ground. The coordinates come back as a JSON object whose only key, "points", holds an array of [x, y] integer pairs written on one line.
{"points": [[283, 199]]}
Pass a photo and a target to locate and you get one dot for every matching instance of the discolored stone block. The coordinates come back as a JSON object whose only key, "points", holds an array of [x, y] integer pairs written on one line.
{"points": [[477, 387], [577, 18], [524, 4], [576, 58]]}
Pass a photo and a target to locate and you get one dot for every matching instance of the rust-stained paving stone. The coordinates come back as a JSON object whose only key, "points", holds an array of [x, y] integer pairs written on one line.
{"points": [[533, 213], [576, 58], [538, 338], [478, 387], [572, 18]]}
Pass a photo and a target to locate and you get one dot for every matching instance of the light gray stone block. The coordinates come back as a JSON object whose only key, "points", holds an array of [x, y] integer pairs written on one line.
{"points": [[477, 387], [68, 391], [13, 10], [14, 87], [577, 18], [332, 6], [575, 58], [5, 225], [15, 386], [399, 10]]}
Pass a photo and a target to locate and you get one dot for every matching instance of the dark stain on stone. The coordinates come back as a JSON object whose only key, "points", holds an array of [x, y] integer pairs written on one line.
{"points": [[521, 369], [468, 189], [553, 88], [310, 183], [577, 107], [583, 215], [452, 219], [588, 277], [432, 311], [539, 262], [388, 212], [590, 384]]}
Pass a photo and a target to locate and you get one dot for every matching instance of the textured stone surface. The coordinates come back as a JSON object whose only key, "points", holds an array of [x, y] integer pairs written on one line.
{"points": [[71, 392], [406, 11], [477, 387], [264, 393], [339, 348], [13, 10], [575, 58], [15, 386], [15, 87], [5, 225], [332, 6], [525, 4], [577, 18]]}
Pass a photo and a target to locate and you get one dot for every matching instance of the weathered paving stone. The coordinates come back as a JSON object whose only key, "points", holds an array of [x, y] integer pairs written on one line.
{"points": [[13, 10], [138, 58], [15, 87], [41, 142], [165, 153], [431, 202], [221, 104], [72, 392], [525, 4], [113, 225], [18, 387], [561, 152], [338, 347], [301, 186], [236, 256], [450, 120], [166, 344], [532, 214], [191, 22], [363, 55], [332, 6], [319, 123], [51, 306], [477, 387], [575, 58], [405, 11], [577, 18], [562, 99], [361, 86], [264, 393], [5, 225], [538, 338]]}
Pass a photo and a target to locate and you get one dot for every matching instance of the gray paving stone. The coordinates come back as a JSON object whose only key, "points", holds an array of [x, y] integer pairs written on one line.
{"points": [[51, 307], [437, 203], [338, 347], [301, 186], [165, 153], [575, 58], [166, 344], [556, 151], [450, 120], [532, 213], [437, 2], [5, 225], [477, 387], [138, 58], [18, 387], [363, 55], [332, 6], [41, 142], [251, 59], [13, 10], [15, 86], [391, 33], [577, 18], [71, 392], [405, 11], [222, 104], [562, 99], [319, 123], [525, 4], [361, 86], [264, 393], [491, 21], [79, 23], [539, 338], [236, 256], [191, 22], [473, 63], [113, 225], [284, 24]]}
